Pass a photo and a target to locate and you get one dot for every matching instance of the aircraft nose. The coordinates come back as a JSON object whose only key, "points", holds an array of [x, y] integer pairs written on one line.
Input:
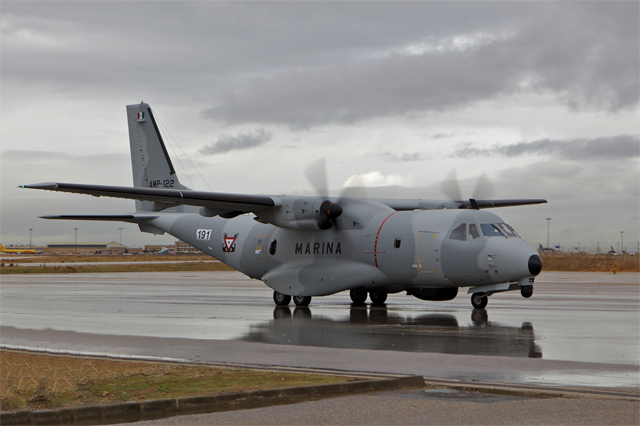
{"points": [[535, 264]]}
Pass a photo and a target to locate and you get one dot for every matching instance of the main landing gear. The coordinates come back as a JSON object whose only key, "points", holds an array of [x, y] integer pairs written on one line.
{"points": [[359, 296], [284, 300]]}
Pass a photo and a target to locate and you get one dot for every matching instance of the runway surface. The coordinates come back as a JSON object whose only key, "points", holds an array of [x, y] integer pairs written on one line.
{"points": [[578, 329]]}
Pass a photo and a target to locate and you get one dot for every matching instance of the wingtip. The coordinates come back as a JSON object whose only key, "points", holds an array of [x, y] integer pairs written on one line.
{"points": [[43, 185]]}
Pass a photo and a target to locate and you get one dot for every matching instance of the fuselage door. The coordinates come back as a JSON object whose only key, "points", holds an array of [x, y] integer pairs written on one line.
{"points": [[427, 252]]}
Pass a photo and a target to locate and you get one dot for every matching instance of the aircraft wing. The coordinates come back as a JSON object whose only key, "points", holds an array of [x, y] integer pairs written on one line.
{"points": [[486, 204], [230, 205], [403, 204], [215, 201]]}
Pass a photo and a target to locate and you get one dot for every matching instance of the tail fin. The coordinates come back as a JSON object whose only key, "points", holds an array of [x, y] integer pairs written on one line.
{"points": [[150, 161], [2, 247]]}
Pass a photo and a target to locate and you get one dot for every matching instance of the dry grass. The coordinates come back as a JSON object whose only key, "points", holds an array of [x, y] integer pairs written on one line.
{"points": [[80, 258], [71, 268], [590, 263], [152, 263], [38, 381]]}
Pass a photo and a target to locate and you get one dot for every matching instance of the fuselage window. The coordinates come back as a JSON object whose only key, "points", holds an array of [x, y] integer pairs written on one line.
{"points": [[397, 243], [273, 245], [460, 233], [473, 231], [507, 230], [490, 230]]}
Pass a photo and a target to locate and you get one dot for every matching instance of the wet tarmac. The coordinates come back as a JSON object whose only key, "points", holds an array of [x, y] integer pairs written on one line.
{"points": [[578, 329]]}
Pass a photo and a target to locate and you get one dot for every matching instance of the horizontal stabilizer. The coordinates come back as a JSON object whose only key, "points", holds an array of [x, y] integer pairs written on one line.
{"points": [[104, 217]]}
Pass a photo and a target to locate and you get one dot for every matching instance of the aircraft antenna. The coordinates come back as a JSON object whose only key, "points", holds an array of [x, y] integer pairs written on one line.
{"points": [[186, 156]]}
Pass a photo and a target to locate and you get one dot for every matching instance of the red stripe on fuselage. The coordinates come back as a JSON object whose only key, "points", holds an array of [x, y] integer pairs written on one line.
{"points": [[375, 244]]}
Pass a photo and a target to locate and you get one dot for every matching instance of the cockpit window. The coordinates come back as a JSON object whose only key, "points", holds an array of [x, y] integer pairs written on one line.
{"points": [[460, 233], [473, 231], [491, 230], [507, 230]]}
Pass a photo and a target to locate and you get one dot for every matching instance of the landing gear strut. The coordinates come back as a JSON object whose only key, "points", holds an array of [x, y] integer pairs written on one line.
{"points": [[479, 300]]}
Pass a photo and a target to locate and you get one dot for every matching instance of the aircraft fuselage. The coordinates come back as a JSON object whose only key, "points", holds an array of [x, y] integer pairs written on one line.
{"points": [[394, 250]]}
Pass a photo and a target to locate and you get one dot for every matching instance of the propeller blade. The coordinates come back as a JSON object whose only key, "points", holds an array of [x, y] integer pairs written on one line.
{"points": [[484, 189], [450, 186], [316, 174]]}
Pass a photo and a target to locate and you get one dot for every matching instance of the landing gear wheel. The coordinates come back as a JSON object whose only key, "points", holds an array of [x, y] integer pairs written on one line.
{"points": [[358, 296], [479, 300], [281, 299], [526, 291], [378, 297], [302, 300]]}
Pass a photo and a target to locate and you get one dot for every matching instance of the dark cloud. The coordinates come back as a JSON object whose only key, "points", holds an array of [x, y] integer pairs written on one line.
{"points": [[236, 143], [390, 156], [311, 63], [586, 55], [615, 147]]}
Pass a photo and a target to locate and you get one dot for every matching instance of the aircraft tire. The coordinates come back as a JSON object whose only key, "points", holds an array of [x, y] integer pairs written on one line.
{"points": [[378, 297], [358, 296], [526, 291], [302, 300], [479, 300], [281, 299]]}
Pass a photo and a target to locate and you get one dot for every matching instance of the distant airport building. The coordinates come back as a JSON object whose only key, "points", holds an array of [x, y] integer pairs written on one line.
{"points": [[179, 247], [184, 248], [89, 248]]}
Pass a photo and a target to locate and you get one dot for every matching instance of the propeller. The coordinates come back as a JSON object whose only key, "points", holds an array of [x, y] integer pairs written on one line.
{"points": [[316, 174], [484, 189]]}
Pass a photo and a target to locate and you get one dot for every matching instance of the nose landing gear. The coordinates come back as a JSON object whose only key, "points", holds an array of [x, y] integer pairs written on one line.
{"points": [[479, 300], [526, 291]]}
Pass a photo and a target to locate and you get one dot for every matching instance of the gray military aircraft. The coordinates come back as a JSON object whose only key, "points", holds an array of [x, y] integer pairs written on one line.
{"points": [[305, 246]]}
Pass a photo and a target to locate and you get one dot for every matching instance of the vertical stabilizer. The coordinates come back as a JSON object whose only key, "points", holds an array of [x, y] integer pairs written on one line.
{"points": [[152, 167]]}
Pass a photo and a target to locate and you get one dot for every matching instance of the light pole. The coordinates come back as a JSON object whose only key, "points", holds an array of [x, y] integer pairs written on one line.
{"points": [[548, 222], [76, 240], [30, 233], [120, 235], [621, 242]]}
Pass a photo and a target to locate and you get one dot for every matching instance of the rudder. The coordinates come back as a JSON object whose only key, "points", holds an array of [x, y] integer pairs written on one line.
{"points": [[150, 161]]}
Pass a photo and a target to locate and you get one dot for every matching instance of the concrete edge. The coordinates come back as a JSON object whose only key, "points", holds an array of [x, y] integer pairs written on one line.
{"points": [[533, 391], [159, 408]]}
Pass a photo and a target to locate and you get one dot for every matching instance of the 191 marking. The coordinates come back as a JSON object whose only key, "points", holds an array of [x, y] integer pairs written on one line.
{"points": [[203, 234]]}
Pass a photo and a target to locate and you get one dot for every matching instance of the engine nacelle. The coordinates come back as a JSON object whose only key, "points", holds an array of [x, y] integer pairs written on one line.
{"points": [[302, 214], [434, 294]]}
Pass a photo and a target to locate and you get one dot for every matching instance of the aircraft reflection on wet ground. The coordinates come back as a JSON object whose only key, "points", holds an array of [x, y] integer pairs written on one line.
{"points": [[376, 328]]}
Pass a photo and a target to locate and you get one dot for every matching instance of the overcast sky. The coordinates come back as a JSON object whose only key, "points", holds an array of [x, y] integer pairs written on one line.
{"points": [[542, 97]]}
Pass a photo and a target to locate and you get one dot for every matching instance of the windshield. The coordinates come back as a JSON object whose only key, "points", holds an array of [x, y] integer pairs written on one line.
{"points": [[491, 230], [507, 230], [498, 230]]}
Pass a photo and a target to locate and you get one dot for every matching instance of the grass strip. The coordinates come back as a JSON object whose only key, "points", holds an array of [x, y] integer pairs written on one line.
{"points": [[161, 267], [41, 381]]}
